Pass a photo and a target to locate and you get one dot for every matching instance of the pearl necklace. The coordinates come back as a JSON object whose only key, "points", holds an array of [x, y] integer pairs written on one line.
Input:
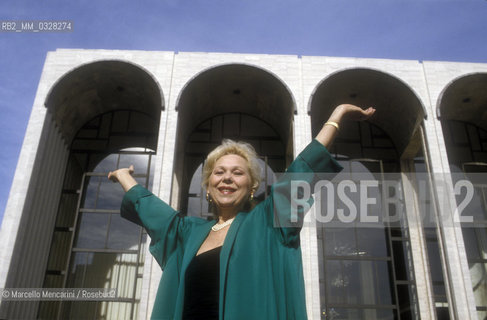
{"points": [[220, 226]]}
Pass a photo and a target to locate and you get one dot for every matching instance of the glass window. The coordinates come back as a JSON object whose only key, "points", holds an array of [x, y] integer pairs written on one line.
{"points": [[367, 269], [107, 251], [467, 154]]}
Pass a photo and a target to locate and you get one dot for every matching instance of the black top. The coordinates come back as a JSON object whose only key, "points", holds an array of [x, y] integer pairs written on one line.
{"points": [[202, 286]]}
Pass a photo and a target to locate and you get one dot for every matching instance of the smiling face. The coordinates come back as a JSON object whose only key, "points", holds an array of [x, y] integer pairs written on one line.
{"points": [[229, 185]]}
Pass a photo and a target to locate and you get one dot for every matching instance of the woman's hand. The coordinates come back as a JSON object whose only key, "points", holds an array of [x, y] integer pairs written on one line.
{"points": [[342, 112], [350, 112], [124, 177]]}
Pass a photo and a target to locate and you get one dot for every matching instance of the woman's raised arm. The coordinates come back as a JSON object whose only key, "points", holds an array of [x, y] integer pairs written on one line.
{"points": [[343, 112]]}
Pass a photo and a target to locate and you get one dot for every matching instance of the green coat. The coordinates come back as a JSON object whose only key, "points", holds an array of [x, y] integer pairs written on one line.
{"points": [[261, 274]]}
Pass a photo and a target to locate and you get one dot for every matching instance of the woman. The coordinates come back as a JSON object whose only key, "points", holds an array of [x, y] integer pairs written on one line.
{"points": [[245, 265]]}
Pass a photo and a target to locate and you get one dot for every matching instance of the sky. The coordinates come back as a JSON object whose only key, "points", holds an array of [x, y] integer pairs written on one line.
{"points": [[444, 30]]}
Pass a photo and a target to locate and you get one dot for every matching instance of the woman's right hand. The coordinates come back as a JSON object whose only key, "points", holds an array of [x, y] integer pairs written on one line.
{"points": [[124, 177]]}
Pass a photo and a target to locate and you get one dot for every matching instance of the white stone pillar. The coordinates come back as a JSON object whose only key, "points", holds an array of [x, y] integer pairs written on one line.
{"points": [[462, 302]]}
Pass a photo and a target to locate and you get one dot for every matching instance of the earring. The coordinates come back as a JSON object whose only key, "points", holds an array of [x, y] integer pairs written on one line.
{"points": [[208, 198], [251, 196]]}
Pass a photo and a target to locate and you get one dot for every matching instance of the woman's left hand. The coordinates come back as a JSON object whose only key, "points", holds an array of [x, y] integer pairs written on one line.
{"points": [[342, 112], [351, 112]]}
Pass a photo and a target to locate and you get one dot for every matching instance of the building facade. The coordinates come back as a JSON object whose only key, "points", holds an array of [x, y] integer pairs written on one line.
{"points": [[97, 110]]}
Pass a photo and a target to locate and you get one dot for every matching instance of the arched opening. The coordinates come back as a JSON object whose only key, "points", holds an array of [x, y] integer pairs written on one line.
{"points": [[399, 111], [366, 270], [462, 109], [108, 112], [238, 102], [99, 87]]}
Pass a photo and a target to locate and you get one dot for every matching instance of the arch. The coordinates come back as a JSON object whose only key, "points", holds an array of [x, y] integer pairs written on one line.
{"points": [[96, 109], [400, 111], [240, 64], [236, 88], [464, 99], [98, 87]]}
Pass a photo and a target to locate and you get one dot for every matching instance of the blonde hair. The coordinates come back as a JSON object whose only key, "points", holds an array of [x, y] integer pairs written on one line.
{"points": [[243, 149]]}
